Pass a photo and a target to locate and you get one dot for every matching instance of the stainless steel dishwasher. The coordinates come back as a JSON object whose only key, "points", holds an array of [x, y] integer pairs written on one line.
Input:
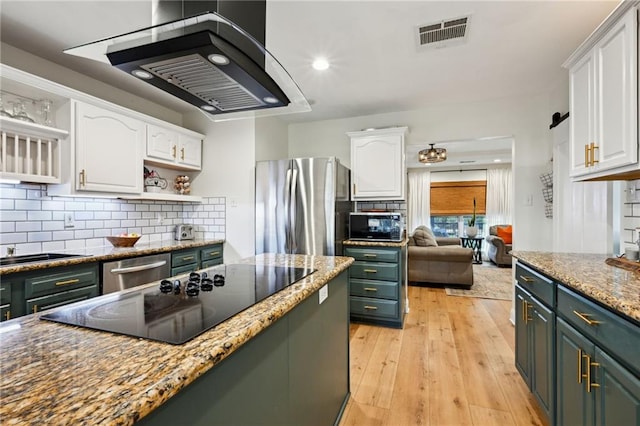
{"points": [[127, 273]]}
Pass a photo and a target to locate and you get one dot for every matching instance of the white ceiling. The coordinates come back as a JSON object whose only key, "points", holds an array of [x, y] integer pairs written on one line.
{"points": [[513, 48]]}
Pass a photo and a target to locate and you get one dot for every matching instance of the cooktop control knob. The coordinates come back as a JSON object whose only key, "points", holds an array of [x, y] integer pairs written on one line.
{"points": [[206, 284], [218, 280], [192, 289], [166, 286], [176, 286]]}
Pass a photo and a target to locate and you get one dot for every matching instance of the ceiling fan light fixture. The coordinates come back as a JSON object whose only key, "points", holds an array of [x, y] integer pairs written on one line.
{"points": [[432, 155]]}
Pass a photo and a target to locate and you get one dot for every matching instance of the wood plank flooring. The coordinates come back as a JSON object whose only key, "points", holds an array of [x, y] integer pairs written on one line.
{"points": [[452, 364]]}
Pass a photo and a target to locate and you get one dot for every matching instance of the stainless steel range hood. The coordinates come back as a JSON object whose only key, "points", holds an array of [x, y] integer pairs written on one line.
{"points": [[205, 60]]}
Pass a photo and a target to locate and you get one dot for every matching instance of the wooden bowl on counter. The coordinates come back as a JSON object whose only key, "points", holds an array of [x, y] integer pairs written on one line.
{"points": [[123, 241]]}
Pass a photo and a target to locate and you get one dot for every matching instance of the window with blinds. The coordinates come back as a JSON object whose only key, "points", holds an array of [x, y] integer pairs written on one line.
{"points": [[456, 198]]}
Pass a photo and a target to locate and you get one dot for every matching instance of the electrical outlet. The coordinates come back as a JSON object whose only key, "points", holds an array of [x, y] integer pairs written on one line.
{"points": [[68, 220]]}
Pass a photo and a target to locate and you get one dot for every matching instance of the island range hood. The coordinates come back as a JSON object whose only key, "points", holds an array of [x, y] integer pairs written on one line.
{"points": [[205, 59]]}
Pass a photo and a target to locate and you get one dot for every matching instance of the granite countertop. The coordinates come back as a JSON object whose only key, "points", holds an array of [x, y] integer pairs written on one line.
{"points": [[93, 254], [402, 243], [59, 374], [613, 287]]}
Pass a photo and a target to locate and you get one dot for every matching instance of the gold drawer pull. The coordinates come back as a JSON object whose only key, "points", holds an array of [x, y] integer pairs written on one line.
{"points": [[173, 151], [214, 253], [67, 282], [588, 375], [371, 308], [370, 255], [525, 311], [187, 258], [586, 155], [7, 315], [373, 271], [593, 153], [34, 309], [584, 317], [370, 289], [526, 279]]}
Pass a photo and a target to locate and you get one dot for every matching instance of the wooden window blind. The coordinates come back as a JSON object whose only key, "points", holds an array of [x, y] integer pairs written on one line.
{"points": [[456, 198]]}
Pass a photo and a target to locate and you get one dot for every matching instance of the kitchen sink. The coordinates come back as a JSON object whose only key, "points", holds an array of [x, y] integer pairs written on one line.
{"points": [[29, 258]]}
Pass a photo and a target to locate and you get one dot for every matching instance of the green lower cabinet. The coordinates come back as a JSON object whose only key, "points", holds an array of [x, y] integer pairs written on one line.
{"points": [[50, 301], [5, 300], [593, 388], [192, 259], [535, 331]]}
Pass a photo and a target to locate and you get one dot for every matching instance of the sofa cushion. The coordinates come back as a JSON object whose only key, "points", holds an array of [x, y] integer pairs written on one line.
{"points": [[505, 232], [423, 237]]}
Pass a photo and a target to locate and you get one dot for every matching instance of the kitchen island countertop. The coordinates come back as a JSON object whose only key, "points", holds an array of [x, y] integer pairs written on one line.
{"points": [[92, 254], [58, 374], [613, 287], [356, 243]]}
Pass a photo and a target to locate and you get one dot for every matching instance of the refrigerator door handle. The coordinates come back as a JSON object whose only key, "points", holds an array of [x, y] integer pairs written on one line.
{"points": [[292, 212], [287, 215]]}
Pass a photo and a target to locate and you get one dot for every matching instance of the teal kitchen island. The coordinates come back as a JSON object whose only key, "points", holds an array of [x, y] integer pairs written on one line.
{"points": [[284, 360]]}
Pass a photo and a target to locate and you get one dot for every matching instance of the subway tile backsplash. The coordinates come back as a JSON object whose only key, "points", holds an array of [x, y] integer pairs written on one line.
{"points": [[33, 222]]}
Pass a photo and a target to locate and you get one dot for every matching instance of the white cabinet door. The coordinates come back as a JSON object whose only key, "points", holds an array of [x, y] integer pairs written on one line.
{"points": [[378, 164], [108, 150], [616, 99], [604, 102], [172, 149], [162, 143], [190, 151], [581, 105]]}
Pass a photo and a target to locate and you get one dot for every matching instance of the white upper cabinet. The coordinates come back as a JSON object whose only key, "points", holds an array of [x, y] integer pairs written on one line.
{"points": [[603, 79], [173, 149], [108, 150], [378, 164]]}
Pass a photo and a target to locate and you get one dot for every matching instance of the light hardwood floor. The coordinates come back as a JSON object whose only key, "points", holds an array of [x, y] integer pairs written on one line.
{"points": [[452, 364]]}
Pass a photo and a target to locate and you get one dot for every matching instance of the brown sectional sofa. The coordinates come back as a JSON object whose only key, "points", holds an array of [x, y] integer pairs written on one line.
{"points": [[438, 260]]}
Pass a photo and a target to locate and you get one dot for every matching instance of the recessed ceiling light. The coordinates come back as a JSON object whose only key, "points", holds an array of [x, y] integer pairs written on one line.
{"points": [[218, 59], [142, 74], [208, 108], [497, 160], [270, 100], [320, 64]]}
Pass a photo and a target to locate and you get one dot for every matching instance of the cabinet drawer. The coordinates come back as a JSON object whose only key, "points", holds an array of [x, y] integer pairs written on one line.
{"points": [[211, 263], [374, 271], [5, 292], [372, 288], [613, 333], [66, 279], [184, 269], [372, 254], [537, 284], [39, 304], [209, 253], [184, 257], [366, 306]]}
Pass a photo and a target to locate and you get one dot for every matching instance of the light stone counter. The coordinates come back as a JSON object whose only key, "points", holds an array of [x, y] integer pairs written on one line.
{"points": [[356, 243], [93, 254], [613, 287], [52, 373]]}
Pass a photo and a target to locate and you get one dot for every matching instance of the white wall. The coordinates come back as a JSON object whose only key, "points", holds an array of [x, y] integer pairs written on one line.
{"points": [[272, 139], [458, 176], [36, 65], [526, 119], [228, 161]]}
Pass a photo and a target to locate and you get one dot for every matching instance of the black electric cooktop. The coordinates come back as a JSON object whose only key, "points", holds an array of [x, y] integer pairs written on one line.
{"points": [[176, 311]]}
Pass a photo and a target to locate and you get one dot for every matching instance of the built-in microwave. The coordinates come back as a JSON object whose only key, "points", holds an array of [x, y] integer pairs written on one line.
{"points": [[376, 226]]}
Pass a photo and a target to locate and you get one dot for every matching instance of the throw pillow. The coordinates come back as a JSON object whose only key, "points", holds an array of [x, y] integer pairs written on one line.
{"points": [[505, 232], [424, 237]]}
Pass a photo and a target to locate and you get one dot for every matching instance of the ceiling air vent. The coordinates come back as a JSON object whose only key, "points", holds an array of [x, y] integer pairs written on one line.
{"points": [[443, 33]]}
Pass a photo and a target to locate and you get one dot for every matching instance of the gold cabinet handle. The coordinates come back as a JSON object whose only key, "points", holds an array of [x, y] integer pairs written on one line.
{"points": [[584, 317], [214, 253], [173, 151], [586, 155], [34, 309], [370, 289], [526, 279], [83, 177], [67, 282], [182, 153], [580, 373], [370, 255], [590, 364], [7, 315], [373, 271], [187, 258], [593, 147], [526, 307], [371, 308]]}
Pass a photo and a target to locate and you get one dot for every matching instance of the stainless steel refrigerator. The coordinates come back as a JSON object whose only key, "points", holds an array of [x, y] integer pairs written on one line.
{"points": [[302, 206]]}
